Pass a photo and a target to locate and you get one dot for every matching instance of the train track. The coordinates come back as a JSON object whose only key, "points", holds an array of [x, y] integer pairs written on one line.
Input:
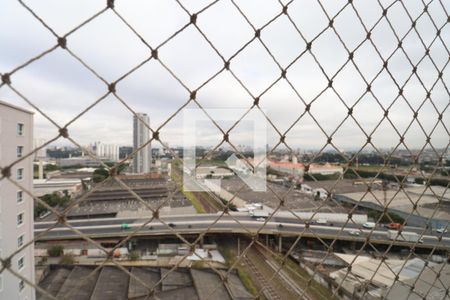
{"points": [[204, 198], [282, 274], [267, 290], [206, 204]]}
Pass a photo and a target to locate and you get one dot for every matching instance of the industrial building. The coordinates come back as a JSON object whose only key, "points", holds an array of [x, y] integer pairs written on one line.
{"points": [[16, 207], [142, 160], [81, 161], [428, 284], [110, 282], [372, 278], [48, 186], [212, 172], [297, 169]]}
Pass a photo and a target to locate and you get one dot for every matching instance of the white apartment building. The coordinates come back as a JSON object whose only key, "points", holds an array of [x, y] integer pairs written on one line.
{"points": [[109, 151], [142, 160], [16, 207]]}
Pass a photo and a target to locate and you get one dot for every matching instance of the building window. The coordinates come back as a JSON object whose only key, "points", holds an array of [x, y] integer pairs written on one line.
{"points": [[19, 219], [20, 241], [19, 196], [21, 285], [19, 129], [21, 263], [19, 173], [19, 151]]}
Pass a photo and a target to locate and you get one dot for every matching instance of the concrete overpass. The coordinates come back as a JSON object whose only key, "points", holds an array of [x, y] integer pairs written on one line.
{"points": [[282, 226]]}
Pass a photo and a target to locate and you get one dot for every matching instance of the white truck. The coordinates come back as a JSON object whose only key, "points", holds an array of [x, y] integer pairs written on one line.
{"points": [[405, 236], [258, 213]]}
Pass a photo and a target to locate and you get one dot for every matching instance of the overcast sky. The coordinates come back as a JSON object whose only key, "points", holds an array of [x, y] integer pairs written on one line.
{"points": [[62, 87]]}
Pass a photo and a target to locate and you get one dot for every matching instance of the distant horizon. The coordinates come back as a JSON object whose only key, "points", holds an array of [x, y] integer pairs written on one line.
{"points": [[332, 84], [229, 148]]}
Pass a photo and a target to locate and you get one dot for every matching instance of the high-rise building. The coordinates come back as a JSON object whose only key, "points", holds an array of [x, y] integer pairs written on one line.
{"points": [[109, 151], [16, 207], [142, 160], [42, 152]]}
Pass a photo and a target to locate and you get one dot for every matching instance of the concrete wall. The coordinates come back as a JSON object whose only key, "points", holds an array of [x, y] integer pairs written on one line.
{"points": [[413, 220], [224, 194], [330, 217]]}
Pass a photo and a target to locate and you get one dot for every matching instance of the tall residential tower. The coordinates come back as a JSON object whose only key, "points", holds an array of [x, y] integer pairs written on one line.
{"points": [[16, 207], [142, 160]]}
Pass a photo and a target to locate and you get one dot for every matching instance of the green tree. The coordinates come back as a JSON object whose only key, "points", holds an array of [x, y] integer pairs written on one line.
{"points": [[67, 259], [55, 250], [53, 200], [134, 255], [100, 174], [50, 167]]}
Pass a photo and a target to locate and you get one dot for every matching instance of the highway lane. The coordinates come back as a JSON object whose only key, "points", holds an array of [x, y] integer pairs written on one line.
{"points": [[212, 217], [196, 224], [115, 221]]}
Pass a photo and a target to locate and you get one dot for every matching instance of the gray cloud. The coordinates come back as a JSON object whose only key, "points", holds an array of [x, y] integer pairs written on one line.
{"points": [[62, 87]]}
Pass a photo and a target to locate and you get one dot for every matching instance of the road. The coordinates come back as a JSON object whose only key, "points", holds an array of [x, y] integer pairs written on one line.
{"points": [[238, 223]]}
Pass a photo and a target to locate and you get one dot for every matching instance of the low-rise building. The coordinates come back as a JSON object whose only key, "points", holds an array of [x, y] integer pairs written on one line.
{"points": [[48, 186], [298, 169], [212, 172], [82, 161], [371, 278]]}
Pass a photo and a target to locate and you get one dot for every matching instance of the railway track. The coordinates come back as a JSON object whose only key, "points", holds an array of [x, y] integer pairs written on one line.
{"points": [[267, 290], [206, 204], [264, 256]]}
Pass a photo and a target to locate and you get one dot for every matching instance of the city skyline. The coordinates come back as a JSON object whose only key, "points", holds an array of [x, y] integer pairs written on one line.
{"points": [[153, 89]]}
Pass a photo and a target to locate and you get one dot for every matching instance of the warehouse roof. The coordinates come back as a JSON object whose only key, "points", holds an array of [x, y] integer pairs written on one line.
{"points": [[79, 282]]}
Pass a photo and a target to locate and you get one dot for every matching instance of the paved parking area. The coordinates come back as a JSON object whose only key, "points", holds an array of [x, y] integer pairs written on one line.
{"points": [[294, 199]]}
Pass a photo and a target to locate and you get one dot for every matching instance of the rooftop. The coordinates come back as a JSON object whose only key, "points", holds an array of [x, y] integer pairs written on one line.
{"points": [[16, 107], [74, 282]]}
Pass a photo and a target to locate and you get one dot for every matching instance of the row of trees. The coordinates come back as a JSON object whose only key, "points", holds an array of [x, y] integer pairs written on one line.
{"points": [[101, 173], [58, 250], [54, 199], [363, 158], [393, 178]]}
